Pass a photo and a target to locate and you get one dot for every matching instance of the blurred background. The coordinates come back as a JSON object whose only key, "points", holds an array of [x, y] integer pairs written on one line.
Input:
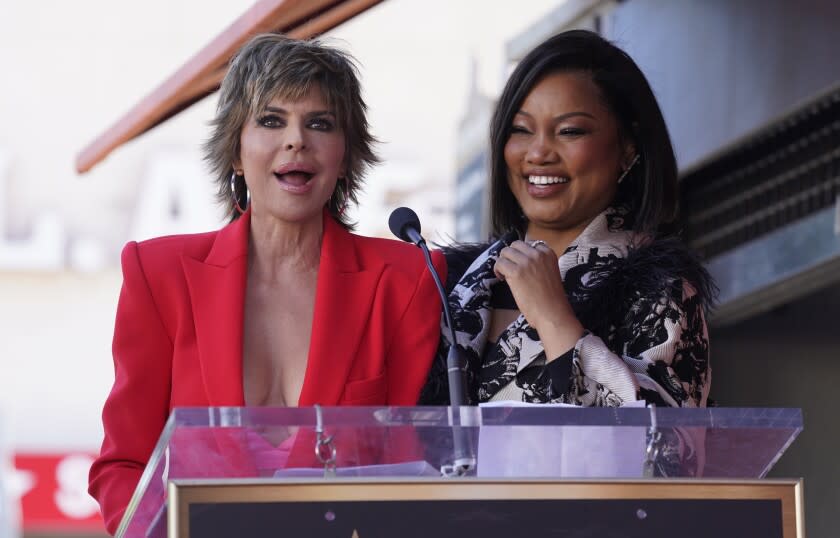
{"points": [[750, 90]]}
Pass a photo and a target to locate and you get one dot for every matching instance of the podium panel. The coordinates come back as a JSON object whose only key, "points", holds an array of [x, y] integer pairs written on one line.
{"points": [[490, 509], [482, 445]]}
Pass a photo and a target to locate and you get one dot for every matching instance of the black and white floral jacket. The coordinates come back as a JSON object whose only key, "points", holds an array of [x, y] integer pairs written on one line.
{"points": [[642, 302]]}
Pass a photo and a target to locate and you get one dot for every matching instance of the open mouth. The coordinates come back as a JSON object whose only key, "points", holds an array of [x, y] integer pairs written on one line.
{"points": [[546, 186], [296, 178], [547, 180]]}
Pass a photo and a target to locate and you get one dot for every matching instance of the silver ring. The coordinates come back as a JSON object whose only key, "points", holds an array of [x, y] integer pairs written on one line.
{"points": [[536, 242]]}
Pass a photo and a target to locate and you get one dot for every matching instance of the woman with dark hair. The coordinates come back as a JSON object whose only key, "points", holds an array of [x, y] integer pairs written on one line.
{"points": [[585, 296], [283, 306]]}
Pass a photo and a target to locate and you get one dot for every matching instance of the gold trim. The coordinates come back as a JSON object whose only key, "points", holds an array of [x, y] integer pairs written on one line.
{"points": [[184, 492], [177, 515], [800, 508]]}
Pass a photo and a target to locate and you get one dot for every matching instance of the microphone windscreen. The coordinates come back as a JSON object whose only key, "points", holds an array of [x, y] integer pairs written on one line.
{"points": [[400, 220]]}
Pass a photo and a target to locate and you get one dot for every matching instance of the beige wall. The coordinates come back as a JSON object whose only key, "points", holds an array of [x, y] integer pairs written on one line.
{"points": [[70, 68]]}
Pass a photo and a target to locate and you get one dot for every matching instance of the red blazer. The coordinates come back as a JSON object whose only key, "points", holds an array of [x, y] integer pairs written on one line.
{"points": [[178, 337]]}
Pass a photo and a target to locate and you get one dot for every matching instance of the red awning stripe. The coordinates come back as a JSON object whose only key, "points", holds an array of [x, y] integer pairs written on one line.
{"points": [[203, 73]]}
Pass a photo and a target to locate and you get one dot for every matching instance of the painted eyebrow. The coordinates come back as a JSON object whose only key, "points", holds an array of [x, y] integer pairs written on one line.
{"points": [[561, 117], [278, 110]]}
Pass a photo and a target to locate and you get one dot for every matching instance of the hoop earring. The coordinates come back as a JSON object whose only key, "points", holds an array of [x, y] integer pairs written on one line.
{"points": [[233, 194], [626, 170], [343, 206]]}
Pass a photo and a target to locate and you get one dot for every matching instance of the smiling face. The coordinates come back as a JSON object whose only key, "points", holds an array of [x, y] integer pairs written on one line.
{"points": [[564, 154], [292, 154]]}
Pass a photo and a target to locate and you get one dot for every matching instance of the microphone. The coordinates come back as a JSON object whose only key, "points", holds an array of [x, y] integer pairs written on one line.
{"points": [[405, 225]]}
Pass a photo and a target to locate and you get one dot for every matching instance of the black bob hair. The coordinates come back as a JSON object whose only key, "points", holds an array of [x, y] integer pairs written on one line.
{"points": [[650, 190]]}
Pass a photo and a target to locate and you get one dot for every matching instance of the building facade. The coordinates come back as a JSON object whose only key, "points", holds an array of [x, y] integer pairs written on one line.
{"points": [[750, 91]]}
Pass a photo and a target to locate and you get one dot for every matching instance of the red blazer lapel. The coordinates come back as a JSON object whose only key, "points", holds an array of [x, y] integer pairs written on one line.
{"points": [[343, 300], [217, 293]]}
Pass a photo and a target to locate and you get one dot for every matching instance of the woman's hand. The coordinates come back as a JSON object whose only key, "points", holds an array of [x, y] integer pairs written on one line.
{"points": [[532, 272]]}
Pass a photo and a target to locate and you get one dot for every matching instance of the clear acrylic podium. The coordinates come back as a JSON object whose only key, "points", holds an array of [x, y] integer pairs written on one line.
{"points": [[237, 471]]}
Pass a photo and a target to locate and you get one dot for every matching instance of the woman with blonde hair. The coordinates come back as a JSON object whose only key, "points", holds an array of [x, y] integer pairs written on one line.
{"points": [[284, 306]]}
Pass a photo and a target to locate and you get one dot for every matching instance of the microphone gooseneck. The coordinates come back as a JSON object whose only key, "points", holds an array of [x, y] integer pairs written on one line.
{"points": [[404, 224]]}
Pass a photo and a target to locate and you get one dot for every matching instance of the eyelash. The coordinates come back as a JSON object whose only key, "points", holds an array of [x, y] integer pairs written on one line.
{"points": [[568, 131], [269, 120], [572, 131], [326, 125], [273, 121]]}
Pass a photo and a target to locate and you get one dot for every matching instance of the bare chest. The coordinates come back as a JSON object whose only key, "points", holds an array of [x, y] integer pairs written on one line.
{"points": [[277, 328]]}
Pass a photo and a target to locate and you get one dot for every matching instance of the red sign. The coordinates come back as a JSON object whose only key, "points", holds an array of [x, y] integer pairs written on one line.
{"points": [[53, 493]]}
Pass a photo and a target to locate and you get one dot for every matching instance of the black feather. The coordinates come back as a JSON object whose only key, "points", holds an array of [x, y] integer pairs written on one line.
{"points": [[656, 269]]}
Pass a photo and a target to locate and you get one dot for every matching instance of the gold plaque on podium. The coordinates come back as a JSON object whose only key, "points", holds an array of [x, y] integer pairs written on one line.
{"points": [[488, 508]]}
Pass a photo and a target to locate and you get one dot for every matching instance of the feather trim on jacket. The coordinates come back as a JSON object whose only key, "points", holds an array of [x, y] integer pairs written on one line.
{"points": [[642, 301]]}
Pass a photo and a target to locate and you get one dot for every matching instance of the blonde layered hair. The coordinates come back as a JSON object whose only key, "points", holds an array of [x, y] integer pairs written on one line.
{"points": [[270, 66]]}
